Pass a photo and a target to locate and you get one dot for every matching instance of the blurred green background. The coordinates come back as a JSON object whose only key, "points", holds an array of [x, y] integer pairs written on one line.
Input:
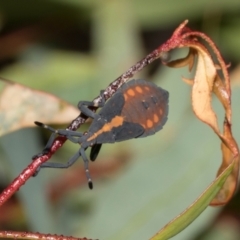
{"points": [[75, 48]]}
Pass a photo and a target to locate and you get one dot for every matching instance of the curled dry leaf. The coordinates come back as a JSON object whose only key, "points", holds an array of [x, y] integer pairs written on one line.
{"points": [[230, 154], [186, 61], [20, 106], [202, 89], [221, 93], [207, 81]]}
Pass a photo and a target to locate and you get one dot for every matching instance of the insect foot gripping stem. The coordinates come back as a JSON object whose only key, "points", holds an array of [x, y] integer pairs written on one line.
{"points": [[47, 148], [50, 141], [138, 109]]}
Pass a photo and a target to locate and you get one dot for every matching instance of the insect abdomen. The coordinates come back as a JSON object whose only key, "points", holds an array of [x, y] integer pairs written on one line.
{"points": [[145, 104]]}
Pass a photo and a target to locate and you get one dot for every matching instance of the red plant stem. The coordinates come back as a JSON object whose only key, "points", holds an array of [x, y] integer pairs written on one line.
{"points": [[20, 180], [26, 235]]}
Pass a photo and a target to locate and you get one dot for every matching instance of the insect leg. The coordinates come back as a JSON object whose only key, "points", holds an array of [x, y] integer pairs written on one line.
{"points": [[70, 162], [84, 106], [71, 135], [46, 148], [63, 132], [49, 143], [85, 160]]}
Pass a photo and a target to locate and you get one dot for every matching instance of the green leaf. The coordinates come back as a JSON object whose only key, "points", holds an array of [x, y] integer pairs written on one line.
{"points": [[191, 213]]}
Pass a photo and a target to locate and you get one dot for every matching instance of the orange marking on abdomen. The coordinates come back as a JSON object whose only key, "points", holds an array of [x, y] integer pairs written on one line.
{"points": [[130, 92], [155, 118], [149, 123], [115, 122], [138, 89], [146, 88], [125, 96]]}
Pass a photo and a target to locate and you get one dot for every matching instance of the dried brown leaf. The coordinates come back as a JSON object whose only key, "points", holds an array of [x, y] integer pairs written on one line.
{"points": [[206, 82], [20, 106], [220, 91], [229, 149], [202, 89], [182, 62], [188, 81]]}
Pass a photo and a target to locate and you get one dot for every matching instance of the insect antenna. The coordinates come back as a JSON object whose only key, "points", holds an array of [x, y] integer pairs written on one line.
{"points": [[46, 126]]}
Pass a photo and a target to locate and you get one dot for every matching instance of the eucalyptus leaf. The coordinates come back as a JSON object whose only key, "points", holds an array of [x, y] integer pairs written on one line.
{"points": [[191, 213]]}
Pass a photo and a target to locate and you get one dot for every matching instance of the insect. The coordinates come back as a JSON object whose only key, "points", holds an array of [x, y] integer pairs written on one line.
{"points": [[138, 109]]}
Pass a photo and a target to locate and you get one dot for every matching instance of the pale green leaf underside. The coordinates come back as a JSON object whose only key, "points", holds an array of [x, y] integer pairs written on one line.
{"points": [[191, 213]]}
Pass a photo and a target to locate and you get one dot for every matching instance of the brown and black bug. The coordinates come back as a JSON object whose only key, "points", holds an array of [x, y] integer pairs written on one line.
{"points": [[138, 109]]}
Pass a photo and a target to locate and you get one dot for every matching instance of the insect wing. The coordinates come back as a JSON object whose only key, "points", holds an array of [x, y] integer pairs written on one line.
{"points": [[113, 107], [128, 131]]}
